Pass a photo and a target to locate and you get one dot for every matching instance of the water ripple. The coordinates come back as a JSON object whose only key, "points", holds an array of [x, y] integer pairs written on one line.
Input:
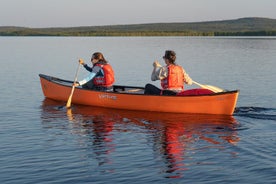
{"points": [[256, 112]]}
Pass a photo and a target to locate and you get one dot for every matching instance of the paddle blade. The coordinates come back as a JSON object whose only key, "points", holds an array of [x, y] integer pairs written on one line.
{"points": [[68, 104], [212, 88]]}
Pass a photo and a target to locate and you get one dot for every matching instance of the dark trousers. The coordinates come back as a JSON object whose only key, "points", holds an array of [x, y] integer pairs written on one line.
{"points": [[153, 90], [90, 85]]}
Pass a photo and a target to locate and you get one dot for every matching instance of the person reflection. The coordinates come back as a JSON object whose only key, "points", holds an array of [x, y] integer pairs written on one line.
{"points": [[98, 129], [177, 138], [102, 140], [174, 149]]}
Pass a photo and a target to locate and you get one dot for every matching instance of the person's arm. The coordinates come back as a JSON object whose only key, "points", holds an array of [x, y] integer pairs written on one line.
{"points": [[159, 72], [88, 68], [85, 65], [94, 72], [187, 79], [88, 78]]}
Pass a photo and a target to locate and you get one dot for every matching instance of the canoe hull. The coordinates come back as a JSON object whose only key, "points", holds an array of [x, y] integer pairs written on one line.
{"points": [[219, 103]]}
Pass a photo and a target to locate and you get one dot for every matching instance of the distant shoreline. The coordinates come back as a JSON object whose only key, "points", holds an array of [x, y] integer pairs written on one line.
{"points": [[145, 34], [238, 27]]}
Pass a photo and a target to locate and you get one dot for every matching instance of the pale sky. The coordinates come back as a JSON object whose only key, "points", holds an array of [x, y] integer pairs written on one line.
{"points": [[72, 13]]}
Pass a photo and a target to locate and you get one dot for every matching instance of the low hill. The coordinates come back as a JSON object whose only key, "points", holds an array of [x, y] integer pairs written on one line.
{"points": [[238, 27]]}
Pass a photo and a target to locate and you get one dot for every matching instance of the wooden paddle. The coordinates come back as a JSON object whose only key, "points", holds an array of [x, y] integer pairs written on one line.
{"points": [[212, 88], [68, 104]]}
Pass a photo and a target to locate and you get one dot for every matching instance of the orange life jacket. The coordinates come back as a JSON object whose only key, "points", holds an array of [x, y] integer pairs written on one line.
{"points": [[175, 79], [107, 79]]}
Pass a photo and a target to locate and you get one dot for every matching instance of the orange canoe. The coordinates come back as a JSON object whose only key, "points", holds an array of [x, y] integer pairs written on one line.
{"points": [[132, 98]]}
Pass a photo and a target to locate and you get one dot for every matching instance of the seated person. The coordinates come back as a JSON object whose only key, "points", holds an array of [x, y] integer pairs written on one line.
{"points": [[172, 77], [101, 75]]}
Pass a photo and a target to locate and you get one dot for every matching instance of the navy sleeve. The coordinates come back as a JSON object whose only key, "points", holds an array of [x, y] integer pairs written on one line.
{"points": [[87, 68]]}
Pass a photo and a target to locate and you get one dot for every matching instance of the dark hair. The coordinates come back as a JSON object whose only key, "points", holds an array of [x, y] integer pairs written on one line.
{"points": [[170, 55], [99, 56]]}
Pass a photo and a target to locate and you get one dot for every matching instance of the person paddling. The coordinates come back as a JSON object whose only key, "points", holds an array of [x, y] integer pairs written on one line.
{"points": [[172, 76], [101, 75]]}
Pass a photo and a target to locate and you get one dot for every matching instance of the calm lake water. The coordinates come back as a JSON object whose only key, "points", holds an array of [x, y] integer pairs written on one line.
{"points": [[42, 143]]}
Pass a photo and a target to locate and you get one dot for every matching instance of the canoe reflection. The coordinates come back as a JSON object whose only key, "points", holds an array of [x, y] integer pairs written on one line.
{"points": [[172, 135]]}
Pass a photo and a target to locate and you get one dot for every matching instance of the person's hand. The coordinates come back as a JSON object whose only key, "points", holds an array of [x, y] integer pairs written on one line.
{"points": [[190, 82], [76, 84], [81, 61], [156, 64]]}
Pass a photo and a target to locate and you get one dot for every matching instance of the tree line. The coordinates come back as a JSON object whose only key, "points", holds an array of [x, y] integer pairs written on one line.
{"points": [[238, 27], [139, 33]]}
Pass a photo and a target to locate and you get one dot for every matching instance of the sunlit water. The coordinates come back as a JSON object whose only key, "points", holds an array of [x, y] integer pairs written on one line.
{"points": [[43, 142]]}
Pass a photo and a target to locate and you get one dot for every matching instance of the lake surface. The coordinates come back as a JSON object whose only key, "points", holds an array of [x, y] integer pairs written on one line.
{"points": [[42, 143]]}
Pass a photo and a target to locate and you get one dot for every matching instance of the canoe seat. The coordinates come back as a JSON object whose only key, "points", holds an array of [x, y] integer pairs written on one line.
{"points": [[128, 89]]}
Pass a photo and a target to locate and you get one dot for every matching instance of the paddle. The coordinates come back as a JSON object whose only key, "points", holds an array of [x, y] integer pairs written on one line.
{"points": [[212, 88], [68, 104]]}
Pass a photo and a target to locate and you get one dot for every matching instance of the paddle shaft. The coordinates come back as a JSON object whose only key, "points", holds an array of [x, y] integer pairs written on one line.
{"points": [[68, 104], [212, 88]]}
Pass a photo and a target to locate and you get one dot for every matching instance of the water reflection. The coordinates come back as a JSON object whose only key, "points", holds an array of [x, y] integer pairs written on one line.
{"points": [[173, 136]]}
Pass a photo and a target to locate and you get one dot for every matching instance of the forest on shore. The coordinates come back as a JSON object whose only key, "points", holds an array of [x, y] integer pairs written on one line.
{"points": [[252, 26]]}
